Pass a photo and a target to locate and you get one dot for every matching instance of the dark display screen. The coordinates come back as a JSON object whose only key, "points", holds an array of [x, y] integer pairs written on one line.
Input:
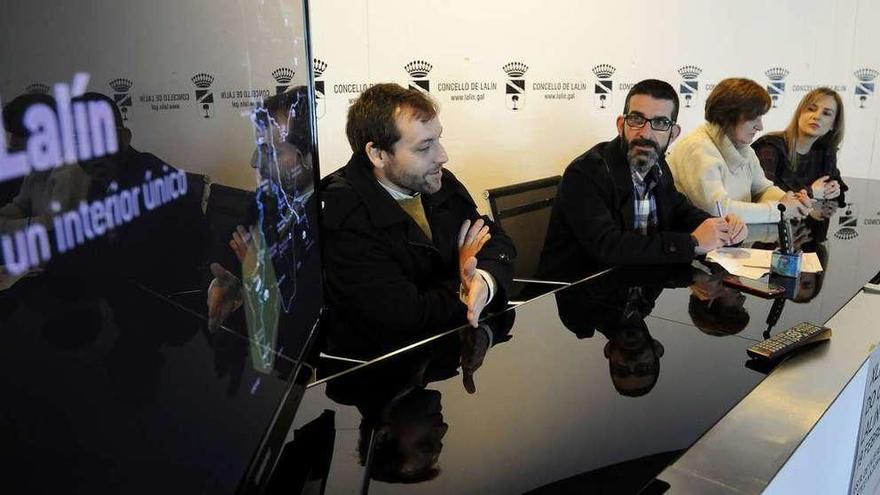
{"points": [[160, 270]]}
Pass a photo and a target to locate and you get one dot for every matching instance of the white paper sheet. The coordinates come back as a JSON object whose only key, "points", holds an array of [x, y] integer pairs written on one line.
{"points": [[755, 263]]}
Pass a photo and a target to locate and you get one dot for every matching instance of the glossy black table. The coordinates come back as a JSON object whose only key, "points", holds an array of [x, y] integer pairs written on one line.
{"points": [[547, 414], [849, 246], [547, 417]]}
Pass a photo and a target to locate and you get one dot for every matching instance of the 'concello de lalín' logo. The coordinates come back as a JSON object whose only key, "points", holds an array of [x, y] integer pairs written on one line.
{"points": [[70, 133], [776, 84]]}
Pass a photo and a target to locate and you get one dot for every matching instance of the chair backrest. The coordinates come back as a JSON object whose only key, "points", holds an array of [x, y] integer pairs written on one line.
{"points": [[227, 208], [523, 211]]}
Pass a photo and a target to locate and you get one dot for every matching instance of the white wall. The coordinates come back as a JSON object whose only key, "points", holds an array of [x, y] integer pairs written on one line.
{"points": [[160, 45], [363, 41]]}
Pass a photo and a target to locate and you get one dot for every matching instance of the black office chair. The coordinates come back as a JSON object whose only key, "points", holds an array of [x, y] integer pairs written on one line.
{"points": [[227, 207], [523, 211]]}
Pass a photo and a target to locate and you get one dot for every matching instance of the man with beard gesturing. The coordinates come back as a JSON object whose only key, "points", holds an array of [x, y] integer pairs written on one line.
{"points": [[617, 203], [406, 255]]}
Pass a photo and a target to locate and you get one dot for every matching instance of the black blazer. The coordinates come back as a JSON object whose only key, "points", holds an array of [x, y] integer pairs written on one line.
{"points": [[386, 283], [592, 221], [773, 153]]}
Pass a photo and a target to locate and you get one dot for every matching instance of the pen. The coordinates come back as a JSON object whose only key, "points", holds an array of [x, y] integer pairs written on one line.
{"points": [[720, 213]]}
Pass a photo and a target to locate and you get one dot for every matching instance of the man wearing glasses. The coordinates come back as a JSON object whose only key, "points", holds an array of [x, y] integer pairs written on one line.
{"points": [[617, 203]]}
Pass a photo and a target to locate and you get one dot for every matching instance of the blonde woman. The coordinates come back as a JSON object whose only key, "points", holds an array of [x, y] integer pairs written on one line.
{"points": [[804, 155], [715, 167]]}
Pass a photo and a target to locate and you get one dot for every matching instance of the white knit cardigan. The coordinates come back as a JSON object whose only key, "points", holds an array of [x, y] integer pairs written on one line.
{"points": [[708, 167]]}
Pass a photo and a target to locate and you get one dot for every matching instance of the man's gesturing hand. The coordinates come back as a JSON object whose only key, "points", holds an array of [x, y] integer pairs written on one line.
{"points": [[471, 239], [477, 292]]}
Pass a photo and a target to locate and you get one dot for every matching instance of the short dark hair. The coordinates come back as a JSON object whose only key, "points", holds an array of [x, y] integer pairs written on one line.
{"points": [[735, 100], [371, 117], [657, 89], [297, 109]]}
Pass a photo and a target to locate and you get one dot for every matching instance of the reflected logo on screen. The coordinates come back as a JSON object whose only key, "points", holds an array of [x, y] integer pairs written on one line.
{"points": [[37, 89], [515, 88], [319, 67], [689, 87], [776, 84], [282, 76], [121, 95], [418, 70], [603, 88], [204, 95], [847, 223], [865, 86]]}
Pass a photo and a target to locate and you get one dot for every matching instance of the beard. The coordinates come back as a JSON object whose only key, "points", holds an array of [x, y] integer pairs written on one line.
{"points": [[428, 183], [642, 159]]}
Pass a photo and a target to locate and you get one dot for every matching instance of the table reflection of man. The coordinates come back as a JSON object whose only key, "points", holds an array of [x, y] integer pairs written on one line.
{"points": [[715, 308], [402, 423], [617, 308], [633, 357], [408, 435]]}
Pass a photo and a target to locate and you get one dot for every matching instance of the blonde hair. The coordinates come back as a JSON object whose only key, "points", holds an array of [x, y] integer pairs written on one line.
{"points": [[831, 140]]}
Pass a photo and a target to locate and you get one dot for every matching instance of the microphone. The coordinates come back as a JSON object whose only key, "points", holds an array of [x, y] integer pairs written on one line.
{"points": [[786, 236], [784, 261]]}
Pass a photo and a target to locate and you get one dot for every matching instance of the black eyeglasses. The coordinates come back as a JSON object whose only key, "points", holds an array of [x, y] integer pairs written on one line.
{"points": [[637, 121]]}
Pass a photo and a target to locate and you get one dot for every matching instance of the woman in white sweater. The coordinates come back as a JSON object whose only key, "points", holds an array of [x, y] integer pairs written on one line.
{"points": [[715, 164]]}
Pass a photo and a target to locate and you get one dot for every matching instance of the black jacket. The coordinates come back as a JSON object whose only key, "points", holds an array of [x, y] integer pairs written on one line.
{"points": [[591, 224], [386, 283], [773, 153]]}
